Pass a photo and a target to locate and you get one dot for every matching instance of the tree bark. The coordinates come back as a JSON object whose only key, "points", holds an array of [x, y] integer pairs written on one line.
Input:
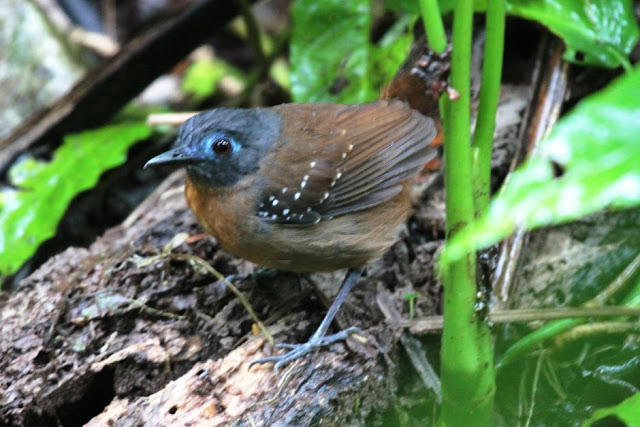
{"points": [[125, 333]]}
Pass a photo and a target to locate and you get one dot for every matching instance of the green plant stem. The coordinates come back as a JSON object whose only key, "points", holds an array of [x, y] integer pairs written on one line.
{"points": [[529, 341], [489, 96], [619, 282], [633, 298], [591, 330], [433, 26], [467, 363], [622, 59], [437, 40]]}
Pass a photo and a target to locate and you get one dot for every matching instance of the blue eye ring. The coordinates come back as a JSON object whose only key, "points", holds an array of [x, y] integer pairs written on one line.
{"points": [[222, 146]]}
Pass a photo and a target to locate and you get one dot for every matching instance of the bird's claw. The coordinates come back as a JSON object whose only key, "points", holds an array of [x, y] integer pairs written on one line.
{"points": [[296, 351]]}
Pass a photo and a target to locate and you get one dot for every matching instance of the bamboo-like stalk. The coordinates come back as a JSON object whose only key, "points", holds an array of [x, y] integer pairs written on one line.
{"points": [[433, 26], [489, 97], [468, 383]]}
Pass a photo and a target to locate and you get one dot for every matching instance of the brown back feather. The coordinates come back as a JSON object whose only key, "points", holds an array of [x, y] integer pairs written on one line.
{"points": [[341, 159]]}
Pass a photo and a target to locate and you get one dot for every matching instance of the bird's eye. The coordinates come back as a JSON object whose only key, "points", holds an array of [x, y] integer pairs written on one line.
{"points": [[221, 146]]}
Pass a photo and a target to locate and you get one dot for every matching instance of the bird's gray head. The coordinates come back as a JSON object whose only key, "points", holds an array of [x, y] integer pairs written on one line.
{"points": [[221, 146]]}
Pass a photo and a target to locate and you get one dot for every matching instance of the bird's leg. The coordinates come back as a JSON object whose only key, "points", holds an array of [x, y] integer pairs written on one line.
{"points": [[318, 339]]}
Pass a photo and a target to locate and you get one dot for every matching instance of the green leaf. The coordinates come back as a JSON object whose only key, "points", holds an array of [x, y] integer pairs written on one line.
{"points": [[330, 51], [627, 411], [332, 57], [589, 162], [597, 32], [391, 51], [41, 191]]}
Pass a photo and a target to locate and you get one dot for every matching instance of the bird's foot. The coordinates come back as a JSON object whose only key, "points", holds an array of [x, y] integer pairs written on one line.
{"points": [[296, 351]]}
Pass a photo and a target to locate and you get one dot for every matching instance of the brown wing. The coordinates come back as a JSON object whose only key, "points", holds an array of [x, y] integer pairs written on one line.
{"points": [[342, 159]]}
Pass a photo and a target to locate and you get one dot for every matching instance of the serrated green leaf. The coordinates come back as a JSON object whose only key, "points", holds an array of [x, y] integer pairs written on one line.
{"points": [[591, 161], [596, 32], [627, 411], [31, 209]]}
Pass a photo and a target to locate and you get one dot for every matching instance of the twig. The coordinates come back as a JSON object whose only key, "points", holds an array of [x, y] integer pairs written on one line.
{"points": [[141, 262], [434, 323], [103, 45], [599, 328], [412, 346], [553, 329], [171, 119], [110, 13], [243, 300], [534, 389], [618, 283], [284, 380], [154, 311], [528, 314], [549, 82]]}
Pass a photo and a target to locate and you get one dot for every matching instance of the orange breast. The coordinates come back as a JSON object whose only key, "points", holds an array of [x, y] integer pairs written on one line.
{"points": [[220, 212], [348, 241]]}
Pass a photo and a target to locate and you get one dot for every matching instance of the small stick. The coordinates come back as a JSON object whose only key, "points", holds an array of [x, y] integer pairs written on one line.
{"points": [[412, 345], [434, 323], [171, 119], [103, 45]]}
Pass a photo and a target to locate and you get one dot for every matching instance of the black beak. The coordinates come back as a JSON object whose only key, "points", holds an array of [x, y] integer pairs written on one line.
{"points": [[175, 156]]}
